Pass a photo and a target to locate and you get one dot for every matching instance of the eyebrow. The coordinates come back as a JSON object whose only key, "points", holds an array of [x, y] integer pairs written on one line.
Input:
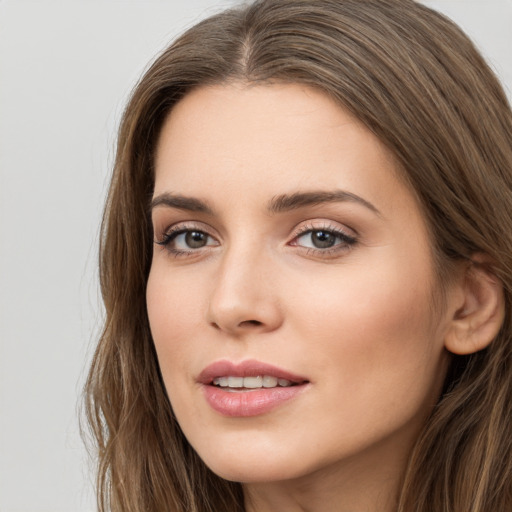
{"points": [[180, 202], [287, 202], [278, 204]]}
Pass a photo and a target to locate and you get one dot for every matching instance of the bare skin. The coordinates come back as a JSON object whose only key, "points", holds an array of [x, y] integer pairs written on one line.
{"points": [[338, 291]]}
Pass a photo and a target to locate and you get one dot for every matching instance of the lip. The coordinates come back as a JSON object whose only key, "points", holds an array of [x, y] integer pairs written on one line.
{"points": [[247, 368], [250, 402]]}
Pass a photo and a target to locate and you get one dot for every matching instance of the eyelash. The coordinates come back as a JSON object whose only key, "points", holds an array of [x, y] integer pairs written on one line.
{"points": [[172, 233], [345, 241]]}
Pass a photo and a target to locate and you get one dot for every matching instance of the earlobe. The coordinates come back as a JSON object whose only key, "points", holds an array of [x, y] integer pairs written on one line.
{"points": [[477, 321]]}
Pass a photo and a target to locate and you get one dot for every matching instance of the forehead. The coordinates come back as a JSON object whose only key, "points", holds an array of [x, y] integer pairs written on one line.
{"points": [[236, 141]]}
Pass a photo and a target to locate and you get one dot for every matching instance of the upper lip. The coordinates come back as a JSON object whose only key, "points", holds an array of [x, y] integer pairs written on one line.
{"points": [[247, 368]]}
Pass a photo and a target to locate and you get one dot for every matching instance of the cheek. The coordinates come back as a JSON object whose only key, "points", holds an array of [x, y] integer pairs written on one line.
{"points": [[174, 315], [374, 334], [387, 297]]}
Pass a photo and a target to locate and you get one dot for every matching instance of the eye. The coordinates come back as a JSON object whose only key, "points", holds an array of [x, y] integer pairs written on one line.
{"points": [[185, 241], [324, 240], [190, 240], [319, 239]]}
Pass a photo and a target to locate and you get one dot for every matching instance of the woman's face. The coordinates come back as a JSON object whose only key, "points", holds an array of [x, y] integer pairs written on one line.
{"points": [[291, 289]]}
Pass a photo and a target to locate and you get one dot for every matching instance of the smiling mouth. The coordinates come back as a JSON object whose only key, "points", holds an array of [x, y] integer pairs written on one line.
{"points": [[249, 388], [249, 373], [234, 383]]}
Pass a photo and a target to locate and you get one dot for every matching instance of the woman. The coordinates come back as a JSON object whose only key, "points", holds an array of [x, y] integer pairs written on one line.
{"points": [[307, 270]]}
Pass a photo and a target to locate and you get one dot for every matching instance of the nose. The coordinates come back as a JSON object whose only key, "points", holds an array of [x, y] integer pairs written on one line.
{"points": [[244, 296]]}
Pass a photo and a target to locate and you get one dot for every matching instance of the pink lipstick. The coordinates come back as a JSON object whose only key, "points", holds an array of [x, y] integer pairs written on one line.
{"points": [[249, 388]]}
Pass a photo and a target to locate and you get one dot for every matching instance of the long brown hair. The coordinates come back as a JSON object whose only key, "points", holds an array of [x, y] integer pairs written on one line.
{"points": [[417, 82]]}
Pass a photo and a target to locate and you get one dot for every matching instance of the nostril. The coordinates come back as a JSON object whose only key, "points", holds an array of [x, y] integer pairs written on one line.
{"points": [[245, 323], [251, 322]]}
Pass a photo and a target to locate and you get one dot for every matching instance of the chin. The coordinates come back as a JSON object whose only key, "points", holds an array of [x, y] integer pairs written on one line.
{"points": [[253, 472], [261, 460]]}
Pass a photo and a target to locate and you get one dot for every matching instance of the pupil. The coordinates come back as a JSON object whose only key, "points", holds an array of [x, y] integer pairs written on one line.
{"points": [[195, 239], [323, 239]]}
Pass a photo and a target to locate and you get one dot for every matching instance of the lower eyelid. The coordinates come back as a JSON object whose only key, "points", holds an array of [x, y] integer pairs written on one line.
{"points": [[339, 247], [344, 242]]}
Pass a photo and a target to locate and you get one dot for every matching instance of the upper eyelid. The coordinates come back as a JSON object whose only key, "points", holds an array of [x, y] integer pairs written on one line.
{"points": [[326, 225], [187, 226], [337, 232], [300, 229]]}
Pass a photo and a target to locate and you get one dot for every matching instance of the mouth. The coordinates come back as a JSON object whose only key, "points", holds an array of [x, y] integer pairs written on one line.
{"points": [[249, 388], [249, 374], [233, 383]]}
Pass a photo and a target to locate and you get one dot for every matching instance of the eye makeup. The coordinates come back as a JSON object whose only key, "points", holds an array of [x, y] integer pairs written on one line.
{"points": [[321, 239]]}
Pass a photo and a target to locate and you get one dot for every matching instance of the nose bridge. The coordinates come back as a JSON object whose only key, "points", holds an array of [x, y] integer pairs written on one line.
{"points": [[242, 295]]}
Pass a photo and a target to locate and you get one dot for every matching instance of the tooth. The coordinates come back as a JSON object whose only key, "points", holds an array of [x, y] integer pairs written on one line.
{"points": [[253, 382], [236, 382], [266, 381], [269, 382]]}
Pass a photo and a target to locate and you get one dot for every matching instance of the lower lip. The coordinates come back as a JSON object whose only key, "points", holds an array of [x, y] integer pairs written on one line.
{"points": [[249, 403]]}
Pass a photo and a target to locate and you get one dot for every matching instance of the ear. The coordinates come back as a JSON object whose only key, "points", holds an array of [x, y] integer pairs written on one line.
{"points": [[481, 309]]}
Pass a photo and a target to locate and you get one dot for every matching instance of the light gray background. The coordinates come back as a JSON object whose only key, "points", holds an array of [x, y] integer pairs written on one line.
{"points": [[66, 68]]}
